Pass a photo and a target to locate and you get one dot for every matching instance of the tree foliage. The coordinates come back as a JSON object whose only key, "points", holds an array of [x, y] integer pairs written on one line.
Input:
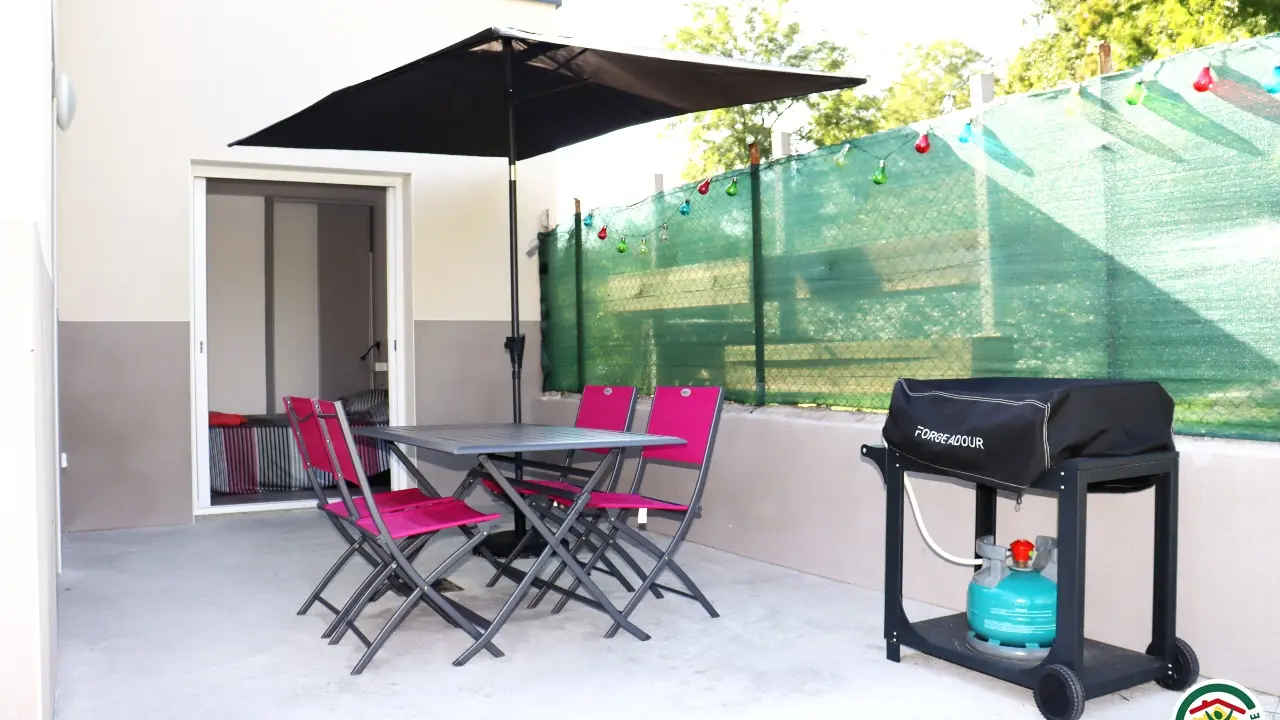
{"points": [[929, 75], [1138, 31], [758, 31], [761, 31]]}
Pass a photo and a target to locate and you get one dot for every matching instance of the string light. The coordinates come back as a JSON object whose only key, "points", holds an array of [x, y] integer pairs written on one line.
{"points": [[1075, 103], [842, 158], [922, 145], [1204, 81], [1273, 87], [1136, 94], [881, 177], [660, 231], [967, 134], [588, 220]]}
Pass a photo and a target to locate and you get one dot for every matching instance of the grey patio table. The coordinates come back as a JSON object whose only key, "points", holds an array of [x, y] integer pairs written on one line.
{"points": [[490, 443]]}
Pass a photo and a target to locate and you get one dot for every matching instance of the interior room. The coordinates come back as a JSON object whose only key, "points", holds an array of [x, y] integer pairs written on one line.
{"points": [[296, 304]]}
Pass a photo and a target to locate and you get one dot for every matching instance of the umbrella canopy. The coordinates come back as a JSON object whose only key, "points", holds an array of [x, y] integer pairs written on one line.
{"points": [[514, 94], [455, 101]]}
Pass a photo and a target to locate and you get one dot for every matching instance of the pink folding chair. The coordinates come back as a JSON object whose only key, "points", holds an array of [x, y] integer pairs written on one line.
{"points": [[315, 459], [395, 537], [692, 414]]}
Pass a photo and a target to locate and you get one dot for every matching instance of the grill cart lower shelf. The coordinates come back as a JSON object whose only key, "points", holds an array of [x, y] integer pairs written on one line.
{"points": [[1105, 670], [1075, 668]]}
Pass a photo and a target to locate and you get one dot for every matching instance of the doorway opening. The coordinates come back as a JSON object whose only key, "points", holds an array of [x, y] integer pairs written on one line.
{"points": [[300, 287]]}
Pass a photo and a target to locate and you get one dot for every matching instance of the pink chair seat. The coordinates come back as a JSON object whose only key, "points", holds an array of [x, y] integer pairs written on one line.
{"points": [[389, 501], [526, 491], [624, 501], [431, 517]]}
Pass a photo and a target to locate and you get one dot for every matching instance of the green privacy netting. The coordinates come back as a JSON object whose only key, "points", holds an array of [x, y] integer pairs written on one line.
{"points": [[1124, 241]]}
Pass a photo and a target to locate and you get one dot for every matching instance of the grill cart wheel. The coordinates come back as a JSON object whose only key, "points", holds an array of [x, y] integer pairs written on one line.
{"points": [[1185, 670], [1059, 694]]}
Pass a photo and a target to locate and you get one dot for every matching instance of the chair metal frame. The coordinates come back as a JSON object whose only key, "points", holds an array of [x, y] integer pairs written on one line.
{"points": [[394, 555], [580, 533], [615, 522]]}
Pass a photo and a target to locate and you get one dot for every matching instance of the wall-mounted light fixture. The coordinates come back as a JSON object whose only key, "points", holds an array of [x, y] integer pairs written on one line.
{"points": [[64, 96]]}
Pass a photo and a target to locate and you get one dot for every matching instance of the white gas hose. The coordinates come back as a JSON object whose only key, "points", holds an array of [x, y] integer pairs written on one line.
{"points": [[915, 512]]}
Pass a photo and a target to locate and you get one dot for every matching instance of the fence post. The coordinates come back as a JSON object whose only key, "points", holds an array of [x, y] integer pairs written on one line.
{"points": [[757, 272], [1105, 67], [581, 344], [981, 93], [786, 299]]}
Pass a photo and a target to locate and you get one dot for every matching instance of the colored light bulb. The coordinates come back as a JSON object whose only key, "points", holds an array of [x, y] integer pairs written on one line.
{"points": [[604, 233], [732, 189], [622, 246], [704, 187], [842, 157], [1137, 94], [881, 177], [967, 133], [922, 145], [644, 248], [685, 208], [1204, 81], [1074, 101], [663, 235], [588, 219], [1273, 87]]}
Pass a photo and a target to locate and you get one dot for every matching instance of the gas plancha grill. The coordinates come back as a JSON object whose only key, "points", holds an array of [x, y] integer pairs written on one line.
{"points": [[1064, 437], [1008, 432]]}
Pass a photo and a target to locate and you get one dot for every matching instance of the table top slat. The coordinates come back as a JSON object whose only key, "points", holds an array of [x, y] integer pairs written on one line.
{"points": [[509, 438]]}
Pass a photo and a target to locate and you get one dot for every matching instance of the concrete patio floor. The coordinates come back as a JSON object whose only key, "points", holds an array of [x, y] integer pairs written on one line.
{"points": [[197, 622]]}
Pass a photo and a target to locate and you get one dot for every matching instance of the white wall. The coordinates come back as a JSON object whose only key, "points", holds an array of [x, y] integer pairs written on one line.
{"points": [[297, 301], [237, 292], [161, 84], [28, 603]]}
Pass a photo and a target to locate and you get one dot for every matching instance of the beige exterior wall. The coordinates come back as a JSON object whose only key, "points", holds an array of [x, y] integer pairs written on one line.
{"points": [[28, 602], [789, 486], [162, 84]]}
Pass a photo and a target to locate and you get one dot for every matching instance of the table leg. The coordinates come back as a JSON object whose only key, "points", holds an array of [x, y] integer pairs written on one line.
{"points": [[554, 544]]}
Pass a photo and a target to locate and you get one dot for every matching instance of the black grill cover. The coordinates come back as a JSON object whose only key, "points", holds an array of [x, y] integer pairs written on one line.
{"points": [[1006, 432]]}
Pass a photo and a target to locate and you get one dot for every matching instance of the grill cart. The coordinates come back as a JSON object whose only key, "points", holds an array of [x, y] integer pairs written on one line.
{"points": [[1063, 437]]}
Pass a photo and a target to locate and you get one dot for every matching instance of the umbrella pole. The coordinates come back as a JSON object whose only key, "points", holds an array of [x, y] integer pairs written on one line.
{"points": [[515, 342], [502, 544]]}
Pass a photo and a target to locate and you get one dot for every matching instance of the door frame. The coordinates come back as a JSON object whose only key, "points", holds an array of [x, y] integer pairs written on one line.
{"points": [[400, 336]]}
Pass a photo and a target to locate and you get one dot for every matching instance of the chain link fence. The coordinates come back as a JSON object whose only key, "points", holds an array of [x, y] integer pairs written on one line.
{"points": [[1060, 234]]}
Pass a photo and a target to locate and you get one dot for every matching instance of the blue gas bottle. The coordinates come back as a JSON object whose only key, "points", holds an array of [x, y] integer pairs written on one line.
{"points": [[1013, 600]]}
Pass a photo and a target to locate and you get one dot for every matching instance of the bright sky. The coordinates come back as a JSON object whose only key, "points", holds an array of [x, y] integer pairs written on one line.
{"points": [[619, 168]]}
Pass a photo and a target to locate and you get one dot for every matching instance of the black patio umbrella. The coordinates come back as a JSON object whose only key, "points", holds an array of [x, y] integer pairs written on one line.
{"points": [[514, 94]]}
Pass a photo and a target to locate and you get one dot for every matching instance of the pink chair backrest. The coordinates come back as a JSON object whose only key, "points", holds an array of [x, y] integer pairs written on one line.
{"points": [[306, 433], [606, 408], [689, 413], [327, 410]]}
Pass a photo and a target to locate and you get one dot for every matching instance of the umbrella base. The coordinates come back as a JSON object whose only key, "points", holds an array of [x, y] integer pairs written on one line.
{"points": [[500, 545]]}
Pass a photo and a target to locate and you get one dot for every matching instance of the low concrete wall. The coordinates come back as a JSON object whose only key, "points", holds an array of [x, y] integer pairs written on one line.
{"points": [[789, 487]]}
